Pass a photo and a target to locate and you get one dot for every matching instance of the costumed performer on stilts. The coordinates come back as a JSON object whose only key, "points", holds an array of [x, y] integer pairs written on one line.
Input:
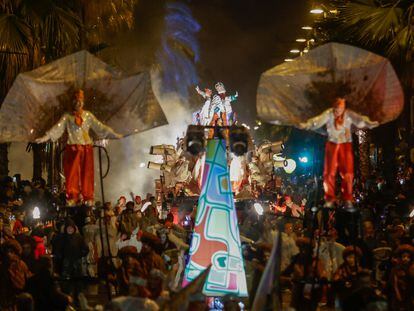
{"points": [[78, 163], [338, 151]]}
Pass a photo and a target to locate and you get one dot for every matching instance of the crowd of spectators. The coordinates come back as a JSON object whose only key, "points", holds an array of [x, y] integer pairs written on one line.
{"points": [[137, 249]]}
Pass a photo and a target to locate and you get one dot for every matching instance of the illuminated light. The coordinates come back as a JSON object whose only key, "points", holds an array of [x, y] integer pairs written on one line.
{"points": [[258, 208], [142, 165], [303, 159], [256, 128], [295, 51], [246, 126], [31, 131], [316, 11], [290, 166], [307, 28], [334, 11], [36, 213], [412, 213], [259, 123], [312, 40], [300, 40], [289, 60], [305, 50]]}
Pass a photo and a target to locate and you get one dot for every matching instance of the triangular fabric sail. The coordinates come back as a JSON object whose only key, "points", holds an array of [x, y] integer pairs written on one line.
{"points": [[39, 98], [216, 238]]}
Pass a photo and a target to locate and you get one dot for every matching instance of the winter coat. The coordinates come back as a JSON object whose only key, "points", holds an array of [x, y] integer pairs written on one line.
{"points": [[13, 277], [46, 292], [40, 248]]}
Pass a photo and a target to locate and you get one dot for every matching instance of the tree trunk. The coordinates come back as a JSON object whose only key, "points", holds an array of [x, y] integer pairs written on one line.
{"points": [[4, 160]]}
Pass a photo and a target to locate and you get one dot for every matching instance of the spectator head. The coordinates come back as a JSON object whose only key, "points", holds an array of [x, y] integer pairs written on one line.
{"points": [[130, 206], [368, 228], [28, 245], [122, 200], [156, 280], [45, 263], [170, 217], [304, 244], [11, 249], [332, 234], [127, 251], [138, 199], [70, 227], [288, 228], [405, 253], [351, 254], [163, 235]]}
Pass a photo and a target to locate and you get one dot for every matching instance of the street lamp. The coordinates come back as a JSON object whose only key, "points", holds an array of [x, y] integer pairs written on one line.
{"points": [[316, 10], [295, 51], [301, 40]]}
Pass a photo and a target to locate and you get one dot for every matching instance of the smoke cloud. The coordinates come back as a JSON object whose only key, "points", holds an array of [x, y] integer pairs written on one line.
{"points": [[126, 155]]}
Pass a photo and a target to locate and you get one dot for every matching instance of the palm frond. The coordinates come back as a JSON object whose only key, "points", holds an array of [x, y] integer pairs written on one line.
{"points": [[60, 31], [104, 18], [15, 34], [15, 49], [402, 43], [9, 6], [369, 23]]}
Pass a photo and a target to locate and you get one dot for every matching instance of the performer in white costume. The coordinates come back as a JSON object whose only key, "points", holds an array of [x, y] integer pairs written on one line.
{"points": [[339, 154], [78, 162], [227, 100]]}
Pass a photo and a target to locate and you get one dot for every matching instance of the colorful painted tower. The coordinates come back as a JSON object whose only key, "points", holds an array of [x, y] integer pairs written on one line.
{"points": [[216, 238]]}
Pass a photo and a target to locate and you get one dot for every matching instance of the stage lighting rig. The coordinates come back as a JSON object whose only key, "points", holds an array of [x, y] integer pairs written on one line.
{"points": [[162, 150], [239, 140], [194, 140]]}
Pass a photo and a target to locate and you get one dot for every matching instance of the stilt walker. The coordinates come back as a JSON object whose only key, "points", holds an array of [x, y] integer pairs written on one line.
{"points": [[338, 150], [78, 162]]}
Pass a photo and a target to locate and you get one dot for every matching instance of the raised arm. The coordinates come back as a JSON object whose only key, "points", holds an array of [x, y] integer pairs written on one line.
{"points": [[202, 93], [316, 122], [55, 132], [102, 130], [233, 97], [361, 121]]}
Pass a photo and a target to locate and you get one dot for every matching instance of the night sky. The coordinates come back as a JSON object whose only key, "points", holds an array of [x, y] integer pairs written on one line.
{"points": [[241, 39], [238, 40]]}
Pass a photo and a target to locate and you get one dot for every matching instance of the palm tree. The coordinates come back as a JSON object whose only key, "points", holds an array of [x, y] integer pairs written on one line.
{"points": [[32, 32]]}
